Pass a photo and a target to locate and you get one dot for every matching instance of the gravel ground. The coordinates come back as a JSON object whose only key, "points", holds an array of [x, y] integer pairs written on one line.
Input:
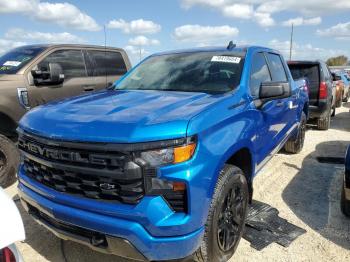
{"points": [[305, 192]]}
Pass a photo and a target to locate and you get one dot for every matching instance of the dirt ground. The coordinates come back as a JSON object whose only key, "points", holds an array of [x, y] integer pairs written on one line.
{"points": [[305, 192]]}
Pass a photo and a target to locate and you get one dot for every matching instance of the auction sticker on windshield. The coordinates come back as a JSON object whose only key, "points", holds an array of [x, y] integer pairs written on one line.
{"points": [[226, 59], [12, 63]]}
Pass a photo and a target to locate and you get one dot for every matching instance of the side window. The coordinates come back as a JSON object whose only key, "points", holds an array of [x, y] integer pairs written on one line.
{"points": [[107, 63], [71, 61], [259, 74], [277, 69]]}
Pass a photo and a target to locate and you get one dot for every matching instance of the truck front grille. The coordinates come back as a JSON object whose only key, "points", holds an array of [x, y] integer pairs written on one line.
{"points": [[101, 175]]}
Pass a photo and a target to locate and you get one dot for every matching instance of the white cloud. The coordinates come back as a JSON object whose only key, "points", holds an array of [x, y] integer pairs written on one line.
{"points": [[6, 45], [242, 11], [260, 11], [339, 31], [305, 51], [143, 41], [135, 54], [298, 21], [63, 14], [40, 37], [204, 34], [139, 26], [264, 19]]}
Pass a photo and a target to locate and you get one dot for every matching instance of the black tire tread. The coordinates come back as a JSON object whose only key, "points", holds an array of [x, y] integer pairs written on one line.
{"points": [[344, 203], [8, 175], [292, 145], [201, 254]]}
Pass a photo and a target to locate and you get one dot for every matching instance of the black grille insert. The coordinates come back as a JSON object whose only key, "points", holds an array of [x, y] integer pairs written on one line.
{"points": [[110, 176]]}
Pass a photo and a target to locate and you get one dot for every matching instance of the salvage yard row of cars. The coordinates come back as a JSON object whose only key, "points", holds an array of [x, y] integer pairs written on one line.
{"points": [[122, 169]]}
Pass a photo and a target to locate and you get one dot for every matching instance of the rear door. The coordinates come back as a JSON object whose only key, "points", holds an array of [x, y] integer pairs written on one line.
{"points": [[106, 66], [289, 105], [75, 77]]}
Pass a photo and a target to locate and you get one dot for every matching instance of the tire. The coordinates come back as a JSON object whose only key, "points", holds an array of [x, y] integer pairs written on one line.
{"points": [[295, 145], [213, 248], [338, 102], [9, 160], [324, 123], [333, 111], [344, 203]]}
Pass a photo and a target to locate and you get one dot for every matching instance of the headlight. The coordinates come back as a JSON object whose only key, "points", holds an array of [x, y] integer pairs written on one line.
{"points": [[170, 155]]}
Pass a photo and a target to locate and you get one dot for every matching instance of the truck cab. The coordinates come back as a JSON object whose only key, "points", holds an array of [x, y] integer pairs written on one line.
{"points": [[161, 166]]}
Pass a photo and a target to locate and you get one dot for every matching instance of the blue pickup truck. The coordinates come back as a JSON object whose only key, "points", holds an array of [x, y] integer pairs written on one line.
{"points": [[160, 166]]}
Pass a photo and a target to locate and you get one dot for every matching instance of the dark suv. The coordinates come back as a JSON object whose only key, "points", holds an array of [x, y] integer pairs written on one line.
{"points": [[321, 90], [36, 74]]}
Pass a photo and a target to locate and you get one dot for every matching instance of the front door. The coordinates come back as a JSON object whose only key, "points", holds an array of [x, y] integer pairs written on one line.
{"points": [[76, 80], [270, 116]]}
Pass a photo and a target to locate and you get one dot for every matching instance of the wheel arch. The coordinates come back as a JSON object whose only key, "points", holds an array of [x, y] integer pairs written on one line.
{"points": [[243, 159]]}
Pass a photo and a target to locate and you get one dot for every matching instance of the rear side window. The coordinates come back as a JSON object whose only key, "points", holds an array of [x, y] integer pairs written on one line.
{"points": [[277, 69], [107, 63], [71, 61], [259, 74]]}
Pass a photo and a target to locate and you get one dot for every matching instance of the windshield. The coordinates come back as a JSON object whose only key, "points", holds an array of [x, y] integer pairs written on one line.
{"points": [[12, 61], [188, 72]]}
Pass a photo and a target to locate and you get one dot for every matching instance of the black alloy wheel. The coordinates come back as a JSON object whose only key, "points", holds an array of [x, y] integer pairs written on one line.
{"points": [[230, 219]]}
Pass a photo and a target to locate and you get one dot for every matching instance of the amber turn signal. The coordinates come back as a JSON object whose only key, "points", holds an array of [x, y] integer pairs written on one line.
{"points": [[184, 153]]}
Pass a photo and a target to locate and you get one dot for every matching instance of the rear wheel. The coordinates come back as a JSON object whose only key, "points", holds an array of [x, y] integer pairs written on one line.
{"points": [[339, 101], [9, 159], [324, 123], [345, 100], [295, 145], [333, 111], [226, 218], [344, 203]]}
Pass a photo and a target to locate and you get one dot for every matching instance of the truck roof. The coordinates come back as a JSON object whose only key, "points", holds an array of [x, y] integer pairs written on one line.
{"points": [[241, 48], [71, 45]]}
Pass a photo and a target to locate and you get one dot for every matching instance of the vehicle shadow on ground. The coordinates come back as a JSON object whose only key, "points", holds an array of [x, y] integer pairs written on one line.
{"points": [[314, 194], [341, 121], [48, 246]]}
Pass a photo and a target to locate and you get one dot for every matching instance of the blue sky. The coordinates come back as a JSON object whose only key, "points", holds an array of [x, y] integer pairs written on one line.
{"points": [[322, 27]]}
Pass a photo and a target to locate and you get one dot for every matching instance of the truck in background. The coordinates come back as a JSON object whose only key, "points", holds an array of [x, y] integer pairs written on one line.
{"points": [[36, 74]]}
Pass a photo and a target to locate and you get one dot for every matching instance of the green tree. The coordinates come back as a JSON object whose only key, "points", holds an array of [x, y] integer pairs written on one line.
{"points": [[337, 61]]}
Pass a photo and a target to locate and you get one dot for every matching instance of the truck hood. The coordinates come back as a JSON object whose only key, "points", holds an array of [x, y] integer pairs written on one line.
{"points": [[14, 77], [118, 116]]}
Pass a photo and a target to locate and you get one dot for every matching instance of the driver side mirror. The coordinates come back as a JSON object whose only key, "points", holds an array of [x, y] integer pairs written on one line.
{"points": [[52, 75], [273, 90]]}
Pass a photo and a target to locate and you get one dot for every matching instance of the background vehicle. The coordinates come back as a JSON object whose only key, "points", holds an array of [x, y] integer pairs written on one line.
{"points": [[346, 79], [11, 229], [128, 177], [339, 87], [322, 93], [36, 74], [345, 195]]}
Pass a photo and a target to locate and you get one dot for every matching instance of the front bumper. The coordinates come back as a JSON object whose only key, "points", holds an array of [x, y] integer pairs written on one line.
{"points": [[120, 236]]}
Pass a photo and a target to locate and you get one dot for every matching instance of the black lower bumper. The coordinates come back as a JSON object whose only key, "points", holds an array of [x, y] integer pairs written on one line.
{"points": [[95, 240]]}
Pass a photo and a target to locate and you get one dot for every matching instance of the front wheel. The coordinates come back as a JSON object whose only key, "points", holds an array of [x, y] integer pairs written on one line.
{"points": [[226, 218], [9, 160], [296, 144]]}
